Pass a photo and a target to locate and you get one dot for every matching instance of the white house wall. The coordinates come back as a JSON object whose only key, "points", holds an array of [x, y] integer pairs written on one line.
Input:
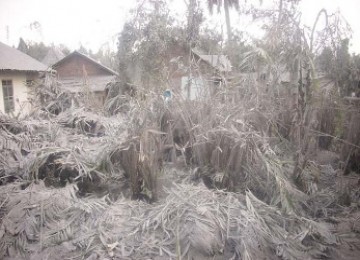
{"points": [[20, 91], [195, 89]]}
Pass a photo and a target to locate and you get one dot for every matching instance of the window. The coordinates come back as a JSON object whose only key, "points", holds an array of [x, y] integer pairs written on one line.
{"points": [[263, 76], [8, 94], [29, 82]]}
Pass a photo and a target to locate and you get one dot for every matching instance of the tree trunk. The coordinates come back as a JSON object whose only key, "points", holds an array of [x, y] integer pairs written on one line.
{"points": [[190, 21], [227, 17]]}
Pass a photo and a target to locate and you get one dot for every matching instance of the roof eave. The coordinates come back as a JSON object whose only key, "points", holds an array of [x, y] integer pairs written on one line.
{"points": [[87, 57], [17, 70]]}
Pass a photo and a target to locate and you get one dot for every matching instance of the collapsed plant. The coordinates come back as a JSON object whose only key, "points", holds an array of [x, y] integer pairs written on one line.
{"points": [[191, 222], [50, 97]]}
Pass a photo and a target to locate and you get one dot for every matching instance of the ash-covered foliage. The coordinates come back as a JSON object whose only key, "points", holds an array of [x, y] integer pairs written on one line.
{"points": [[165, 180], [241, 173]]}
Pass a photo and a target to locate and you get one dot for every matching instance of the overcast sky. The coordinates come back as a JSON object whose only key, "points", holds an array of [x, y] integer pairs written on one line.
{"points": [[97, 23]]}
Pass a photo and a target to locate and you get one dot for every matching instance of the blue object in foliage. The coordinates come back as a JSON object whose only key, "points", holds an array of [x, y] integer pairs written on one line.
{"points": [[167, 95]]}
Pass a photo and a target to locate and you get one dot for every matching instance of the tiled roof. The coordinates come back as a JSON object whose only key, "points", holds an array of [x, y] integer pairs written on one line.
{"points": [[53, 56], [15, 60], [217, 61]]}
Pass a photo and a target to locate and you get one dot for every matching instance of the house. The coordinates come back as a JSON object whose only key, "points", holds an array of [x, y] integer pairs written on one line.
{"points": [[207, 74], [53, 56], [79, 73], [18, 72]]}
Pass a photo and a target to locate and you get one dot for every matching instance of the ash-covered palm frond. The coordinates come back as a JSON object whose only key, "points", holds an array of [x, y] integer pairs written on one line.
{"points": [[36, 217], [197, 222]]}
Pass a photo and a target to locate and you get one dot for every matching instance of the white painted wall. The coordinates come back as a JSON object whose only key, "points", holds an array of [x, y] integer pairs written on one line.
{"points": [[196, 90], [20, 91]]}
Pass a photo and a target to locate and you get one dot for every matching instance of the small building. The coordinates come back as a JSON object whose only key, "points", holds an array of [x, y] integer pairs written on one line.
{"points": [[79, 73], [206, 75], [53, 56], [18, 71]]}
